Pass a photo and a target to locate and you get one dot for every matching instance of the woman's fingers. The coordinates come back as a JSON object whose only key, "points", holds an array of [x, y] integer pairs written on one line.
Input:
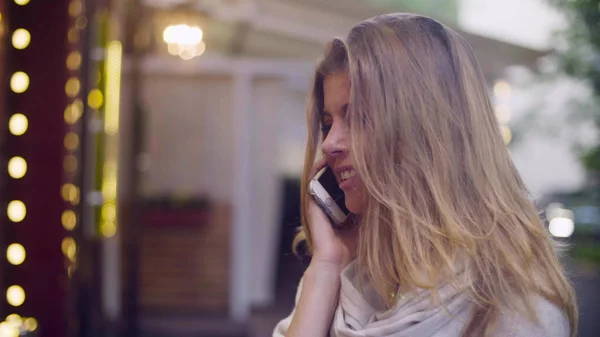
{"points": [[317, 166]]}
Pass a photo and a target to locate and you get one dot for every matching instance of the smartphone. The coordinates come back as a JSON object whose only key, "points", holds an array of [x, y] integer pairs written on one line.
{"points": [[329, 196]]}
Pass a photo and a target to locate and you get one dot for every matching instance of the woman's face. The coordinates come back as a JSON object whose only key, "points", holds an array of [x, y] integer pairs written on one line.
{"points": [[336, 139]]}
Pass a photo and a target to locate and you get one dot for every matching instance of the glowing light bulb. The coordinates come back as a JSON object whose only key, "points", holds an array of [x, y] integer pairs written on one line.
{"points": [[21, 38], [72, 87], [16, 211], [15, 254], [74, 60], [70, 163], [17, 167], [71, 141], [69, 220], [18, 123], [15, 295], [19, 82], [30, 324], [75, 8]]}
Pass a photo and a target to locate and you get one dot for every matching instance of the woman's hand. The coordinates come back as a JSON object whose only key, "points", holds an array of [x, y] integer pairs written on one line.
{"points": [[331, 251], [330, 248]]}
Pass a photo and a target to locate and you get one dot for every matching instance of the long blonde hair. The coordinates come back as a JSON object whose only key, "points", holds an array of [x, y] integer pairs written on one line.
{"points": [[442, 190]]}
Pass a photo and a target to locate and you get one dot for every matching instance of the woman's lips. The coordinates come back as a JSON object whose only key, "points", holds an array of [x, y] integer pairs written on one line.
{"points": [[348, 184]]}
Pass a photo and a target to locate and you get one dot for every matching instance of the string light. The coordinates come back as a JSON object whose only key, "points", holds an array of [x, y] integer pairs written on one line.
{"points": [[17, 167], [30, 324], [72, 114], [72, 87], [74, 60], [17, 125], [15, 254], [81, 23], [70, 163], [75, 8], [71, 141], [70, 193], [16, 211], [15, 295], [21, 38], [73, 35], [19, 82], [69, 220], [22, 2], [69, 248]]}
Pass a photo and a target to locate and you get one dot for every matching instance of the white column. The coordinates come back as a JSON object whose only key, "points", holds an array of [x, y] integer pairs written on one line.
{"points": [[111, 277], [240, 232]]}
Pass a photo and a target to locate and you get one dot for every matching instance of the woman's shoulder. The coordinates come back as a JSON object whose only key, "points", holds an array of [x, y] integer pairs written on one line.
{"points": [[552, 322]]}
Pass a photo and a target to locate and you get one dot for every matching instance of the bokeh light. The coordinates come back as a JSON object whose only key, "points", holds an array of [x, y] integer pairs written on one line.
{"points": [[502, 90], [185, 41], [561, 227], [73, 35], [16, 211], [30, 324], [70, 193], [18, 123], [95, 99], [19, 82], [15, 295], [8, 330], [81, 23], [502, 113], [74, 60], [506, 134], [17, 167], [75, 8], [72, 87], [21, 38], [14, 318], [72, 114], [69, 220], [109, 212], [70, 163], [109, 229], [15, 254], [66, 243], [69, 248], [71, 141], [22, 2]]}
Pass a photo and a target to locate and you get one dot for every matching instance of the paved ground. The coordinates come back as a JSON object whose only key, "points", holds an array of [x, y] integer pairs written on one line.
{"points": [[586, 280]]}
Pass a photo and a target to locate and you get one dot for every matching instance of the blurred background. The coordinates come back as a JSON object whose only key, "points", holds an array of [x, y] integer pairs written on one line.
{"points": [[152, 150]]}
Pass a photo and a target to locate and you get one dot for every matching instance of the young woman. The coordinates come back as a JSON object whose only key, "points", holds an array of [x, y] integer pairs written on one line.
{"points": [[444, 240]]}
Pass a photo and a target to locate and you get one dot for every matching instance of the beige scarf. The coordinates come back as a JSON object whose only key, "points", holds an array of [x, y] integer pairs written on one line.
{"points": [[362, 314]]}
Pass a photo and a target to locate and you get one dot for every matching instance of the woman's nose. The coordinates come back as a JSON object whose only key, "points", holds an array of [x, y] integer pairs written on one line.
{"points": [[335, 144]]}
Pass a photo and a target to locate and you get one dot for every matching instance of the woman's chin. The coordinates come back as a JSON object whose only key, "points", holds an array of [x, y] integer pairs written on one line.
{"points": [[353, 203]]}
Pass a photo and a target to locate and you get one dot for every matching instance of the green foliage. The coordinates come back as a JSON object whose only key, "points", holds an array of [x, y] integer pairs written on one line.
{"points": [[580, 57], [589, 251]]}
